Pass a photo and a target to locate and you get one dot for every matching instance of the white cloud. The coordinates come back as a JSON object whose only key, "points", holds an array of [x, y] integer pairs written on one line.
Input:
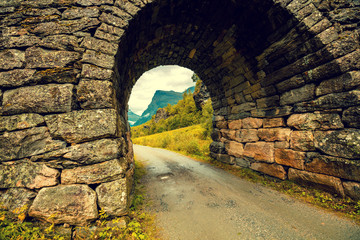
{"points": [[161, 78]]}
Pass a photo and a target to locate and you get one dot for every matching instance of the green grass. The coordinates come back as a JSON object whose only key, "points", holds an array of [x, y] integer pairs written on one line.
{"points": [[190, 141]]}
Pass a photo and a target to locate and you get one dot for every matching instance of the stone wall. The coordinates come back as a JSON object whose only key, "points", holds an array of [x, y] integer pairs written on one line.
{"points": [[283, 76]]}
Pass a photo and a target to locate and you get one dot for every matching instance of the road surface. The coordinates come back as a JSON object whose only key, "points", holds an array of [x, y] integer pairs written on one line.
{"points": [[194, 200]]}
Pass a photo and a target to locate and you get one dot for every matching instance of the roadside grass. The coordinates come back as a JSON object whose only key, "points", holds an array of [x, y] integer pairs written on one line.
{"points": [[140, 224], [190, 141]]}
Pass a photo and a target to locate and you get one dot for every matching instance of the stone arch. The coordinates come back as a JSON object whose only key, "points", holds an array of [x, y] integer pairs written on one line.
{"points": [[283, 76]]}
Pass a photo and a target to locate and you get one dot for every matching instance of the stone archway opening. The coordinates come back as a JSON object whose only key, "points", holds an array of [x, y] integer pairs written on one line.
{"points": [[283, 77]]}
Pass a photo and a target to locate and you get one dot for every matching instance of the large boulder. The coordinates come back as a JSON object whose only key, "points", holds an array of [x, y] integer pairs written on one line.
{"points": [[72, 204]]}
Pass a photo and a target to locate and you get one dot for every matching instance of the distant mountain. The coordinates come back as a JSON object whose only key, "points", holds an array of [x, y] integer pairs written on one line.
{"points": [[160, 99], [132, 117]]}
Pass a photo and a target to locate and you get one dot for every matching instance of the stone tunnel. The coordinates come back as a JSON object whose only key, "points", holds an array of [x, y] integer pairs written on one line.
{"points": [[283, 76]]}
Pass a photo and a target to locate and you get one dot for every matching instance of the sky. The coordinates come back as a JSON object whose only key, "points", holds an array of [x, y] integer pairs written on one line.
{"points": [[161, 78]]}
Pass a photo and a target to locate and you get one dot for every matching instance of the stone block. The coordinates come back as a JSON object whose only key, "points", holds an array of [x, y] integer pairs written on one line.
{"points": [[26, 143], [221, 124], [273, 122], [247, 135], [113, 20], [95, 72], [282, 144], [228, 134], [351, 117], [94, 94], [99, 59], [16, 78], [342, 143], [334, 166], [272, 112], [223, 158], [99, 45], [71, 204], [86, 153], [51, 98], [260, 151], [129, 7], [111, 29], [268, 102], [252, 122], [60, 42], [41, 58], [274, 134], [301, 94], [26, 174], [11, 58], [113, 197], [96, 173], [290, 158], [76, 12], [241, 162], [235, 124], [235, 149], [270, 169], [217, 147], [328, 183], [57, 75], [312, 121], [65, 27], [244, 107], [330, 101], [81, 126], [94, 2], [16, 199], [339, 84], [20, 41], [302, 141], [17, 122], [352, 189]]}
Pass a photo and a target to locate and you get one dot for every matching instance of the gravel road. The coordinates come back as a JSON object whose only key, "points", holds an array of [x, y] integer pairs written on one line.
{"points": [[194, 200]]}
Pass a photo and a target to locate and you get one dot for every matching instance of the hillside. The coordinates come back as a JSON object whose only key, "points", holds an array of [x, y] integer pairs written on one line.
{"points": [[132, 117], [160, 99]]}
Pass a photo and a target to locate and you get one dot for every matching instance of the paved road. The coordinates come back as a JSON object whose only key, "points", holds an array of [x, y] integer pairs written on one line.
{"points": [[194, 200]]}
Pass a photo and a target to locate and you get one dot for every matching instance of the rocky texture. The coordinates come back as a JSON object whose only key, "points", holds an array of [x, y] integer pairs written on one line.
{"points": [[86, 153], [312, 121], [98, 59], [27, 174], [113, 197], [270, 169], [26, 143], [351, 117], [252, 123], [352, 189], [95, 94], [290, 158], [329, 183], [23, 121], [41, 58], [17, 77], [11, 58], [235, 149], [95, 72], [72, 204], [274, 134], [260, 151], [51, 98], [80, 126], [161, 113], [302, 141], [201, 95], [342, 143], [17, 199], [96, 173]]}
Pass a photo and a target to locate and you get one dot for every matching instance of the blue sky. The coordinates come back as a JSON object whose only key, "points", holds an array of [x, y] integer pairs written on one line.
{"points": [[161, 78]]}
